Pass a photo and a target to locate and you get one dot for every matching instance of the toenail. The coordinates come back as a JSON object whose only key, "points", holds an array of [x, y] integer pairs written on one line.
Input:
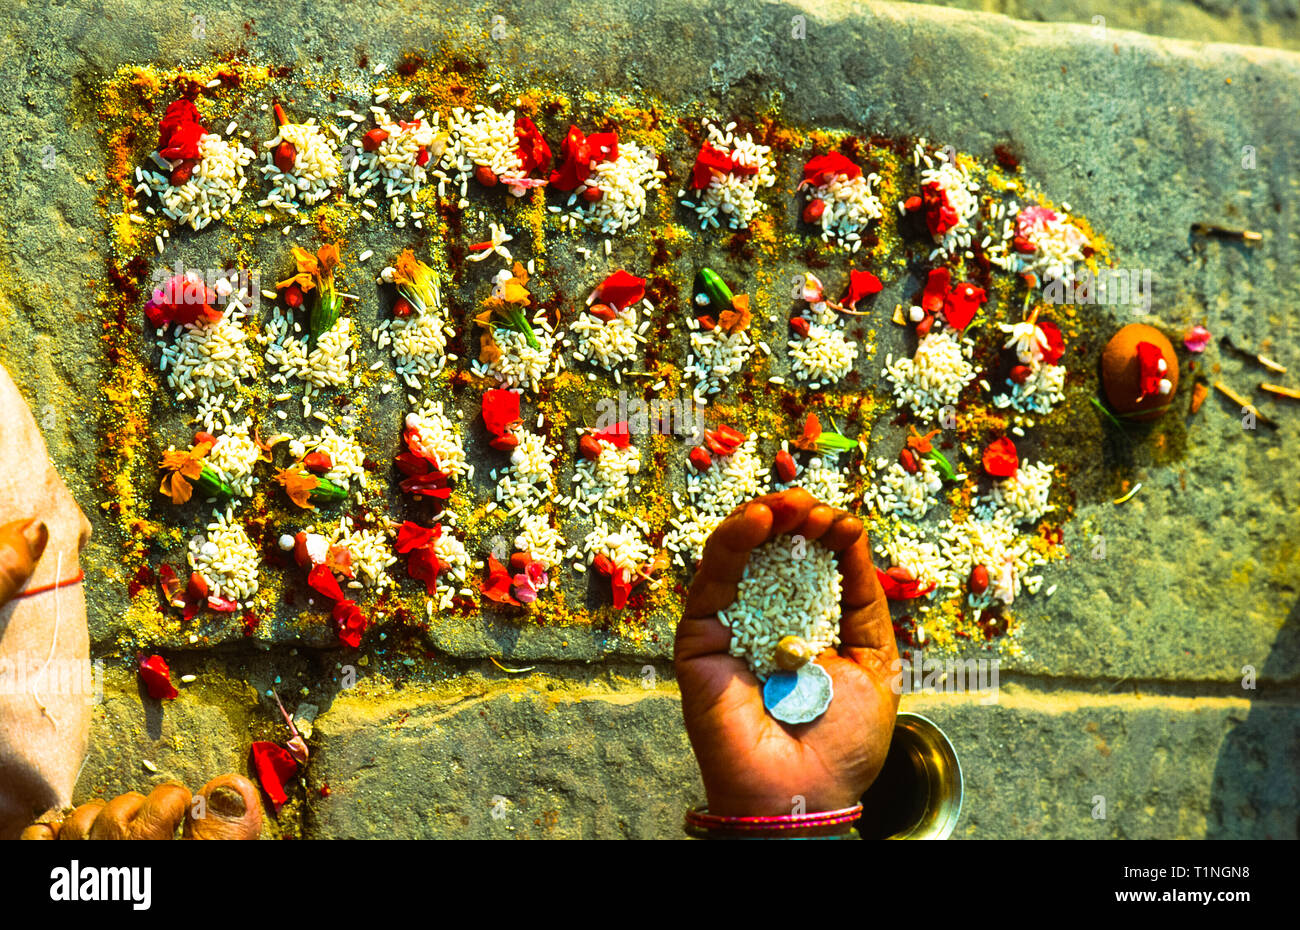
{"points": [[227, 802]]}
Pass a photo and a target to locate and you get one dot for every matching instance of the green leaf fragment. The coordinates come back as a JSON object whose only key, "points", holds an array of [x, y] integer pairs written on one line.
{"points": [[210, 483], [327, 492], [942, 463]]}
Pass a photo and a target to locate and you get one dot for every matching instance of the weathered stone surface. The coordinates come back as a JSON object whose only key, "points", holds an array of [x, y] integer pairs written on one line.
{"points": [[1167, 768], [1200, 577], [520, 761]]}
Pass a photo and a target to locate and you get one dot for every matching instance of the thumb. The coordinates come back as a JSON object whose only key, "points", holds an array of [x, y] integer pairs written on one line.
{"points": [[22, 542]]}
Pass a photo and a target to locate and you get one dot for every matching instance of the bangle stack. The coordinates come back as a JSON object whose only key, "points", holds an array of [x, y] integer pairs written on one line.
{"points": [[822, 825]]}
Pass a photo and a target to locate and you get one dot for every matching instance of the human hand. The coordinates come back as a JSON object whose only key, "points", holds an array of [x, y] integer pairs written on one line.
{"points": [[751, 763]]}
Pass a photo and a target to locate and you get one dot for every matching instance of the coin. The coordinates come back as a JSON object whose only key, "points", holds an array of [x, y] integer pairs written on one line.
{"points": [[798, 697]]}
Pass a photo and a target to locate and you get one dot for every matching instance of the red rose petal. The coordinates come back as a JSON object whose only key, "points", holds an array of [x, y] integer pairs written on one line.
{"points": [[157, 678], [500, 410], [1055, 348], [706, 162], [424, 565], [1149, 356], [274, 766], [497, 586], [832, 163], [936, 290], [349, 623], [322, 580], [621, 289], [534, 153], [412, 536], [1001, 459], [961, 304], [861, 284]]}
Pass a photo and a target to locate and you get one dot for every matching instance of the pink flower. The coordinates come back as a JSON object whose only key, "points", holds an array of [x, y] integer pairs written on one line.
{"points": [[530, 582], [1197, 338]]}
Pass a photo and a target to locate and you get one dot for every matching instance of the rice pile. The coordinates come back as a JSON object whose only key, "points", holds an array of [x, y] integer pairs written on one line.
{"points": [[520, 365], [599, 485], [226, 558], [540, 540], [851, 206], [328, 364], [438, 438], [826, 354], [1039, 393], [347, 460], [625, 547], [612, 343], [316, 168], [785, 591], [962, 192], [713, 494], [735, 196], [715, 356], [1058, 244], [395, 163], [907, 494], [992, 541], [215, 185], [483, 138], [207, 358], [419, 345], [529, 479], [625, 184], [233, 457], [821, 478], [451, 553], [371, 554], [1023, 495], [935, 376]]}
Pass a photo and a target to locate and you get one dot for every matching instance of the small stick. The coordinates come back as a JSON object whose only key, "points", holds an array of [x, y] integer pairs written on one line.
{"points": [[1245, 404], [1254, 356], [1280, 390], [1214, 229]]}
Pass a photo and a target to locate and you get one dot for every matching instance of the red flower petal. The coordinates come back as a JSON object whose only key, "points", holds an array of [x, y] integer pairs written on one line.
{"points": [[961, 304], [621, 289], [170, 583], [431, 485], [602, 146], [897, 590], [832, 163], [936, 290], [1149, 356], [322, 580], [349, 622], [318, 462], [939, 213], [534, 153], [706, 162], [157, 678], [861, 284], [500, 410], [424, 565], [574, 169], [622, 584], [274, 766], [1055, 348], [497, 586], [412, 536], [1001, 459], [412, 465], [617, 434]]}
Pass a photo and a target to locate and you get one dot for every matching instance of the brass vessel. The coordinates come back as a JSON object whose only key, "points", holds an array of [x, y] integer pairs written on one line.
{"points": [[918, 793]]}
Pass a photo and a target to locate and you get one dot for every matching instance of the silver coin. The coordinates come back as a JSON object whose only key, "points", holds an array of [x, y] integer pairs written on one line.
{"points": [[798, 697]]}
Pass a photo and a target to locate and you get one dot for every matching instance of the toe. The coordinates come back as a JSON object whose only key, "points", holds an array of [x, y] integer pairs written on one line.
{"points": [[77, 824], [229, 810], [40, 831], [114, 821], [161, 813]]}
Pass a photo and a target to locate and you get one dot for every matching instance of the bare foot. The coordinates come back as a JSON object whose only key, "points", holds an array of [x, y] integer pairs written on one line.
{"points": [[226, 808]]}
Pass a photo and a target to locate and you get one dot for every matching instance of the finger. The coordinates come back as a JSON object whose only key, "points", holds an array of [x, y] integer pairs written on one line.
{"points": [[815, 525], [161, 813], [230, 811], [789, 509], [725, 553], [76, 826], [861, 586], [843, 531], [114, 821], [40, 831]]}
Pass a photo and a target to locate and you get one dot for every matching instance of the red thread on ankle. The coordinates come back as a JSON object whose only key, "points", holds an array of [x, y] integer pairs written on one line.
{"points": [[41, 589]]}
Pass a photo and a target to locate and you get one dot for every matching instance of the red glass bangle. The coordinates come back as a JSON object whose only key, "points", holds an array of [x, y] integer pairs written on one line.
{"points": [[703, 825], [41, 589]]}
